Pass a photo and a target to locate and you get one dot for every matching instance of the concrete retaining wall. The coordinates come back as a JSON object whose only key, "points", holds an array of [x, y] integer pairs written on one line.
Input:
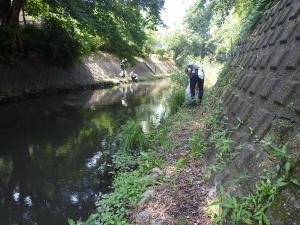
{"points": [[30, 77], [263, 101]]}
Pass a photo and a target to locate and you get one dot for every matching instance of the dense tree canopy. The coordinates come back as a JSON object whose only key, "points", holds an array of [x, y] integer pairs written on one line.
{"points": [[212, 27], [118, 26]]}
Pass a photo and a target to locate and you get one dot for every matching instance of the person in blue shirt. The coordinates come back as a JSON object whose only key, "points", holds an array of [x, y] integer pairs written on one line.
{"points": [[196, 75]]}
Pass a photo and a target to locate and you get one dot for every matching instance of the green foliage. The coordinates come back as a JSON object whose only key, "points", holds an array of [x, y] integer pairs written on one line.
{"points": [[148, 160], [131, 141], [251, 208], [247, 209], [56, 40], [131, 137], [162, 52], [218, 140], [177, 96], [215, 27], [120, 25], [198, 145], [176, 100], [180, 79], [184, 44], [76, 26], [37, 8], [60, 40], [222, 142], [112, 208], [128, 185], [181, 162]]}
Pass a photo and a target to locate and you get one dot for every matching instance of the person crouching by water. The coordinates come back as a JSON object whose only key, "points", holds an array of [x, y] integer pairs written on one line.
{"points": [[134, 76], [124, 65], [196, 75]]}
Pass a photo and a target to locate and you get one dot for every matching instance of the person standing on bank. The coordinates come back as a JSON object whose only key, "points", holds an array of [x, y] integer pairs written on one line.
{"points": [[196, 75]]}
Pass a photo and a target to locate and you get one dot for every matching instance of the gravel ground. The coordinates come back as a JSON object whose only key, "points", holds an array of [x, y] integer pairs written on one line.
{"points": [[182, 196]]}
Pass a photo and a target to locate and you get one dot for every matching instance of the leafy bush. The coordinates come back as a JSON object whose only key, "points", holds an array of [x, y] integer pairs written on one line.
{"points": [[56, 43], [148, 160], [179, 79]]}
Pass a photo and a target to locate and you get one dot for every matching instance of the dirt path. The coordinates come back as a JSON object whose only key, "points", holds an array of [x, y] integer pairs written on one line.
{"points": [[182, 195]]}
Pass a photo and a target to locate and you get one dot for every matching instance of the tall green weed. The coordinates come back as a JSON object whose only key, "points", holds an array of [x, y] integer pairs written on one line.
{"points": [[176, 100], [131, 137], [128, 185]]}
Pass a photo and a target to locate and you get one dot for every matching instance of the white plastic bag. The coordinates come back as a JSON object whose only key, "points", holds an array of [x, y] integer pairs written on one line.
{"points": [[188, 93]]}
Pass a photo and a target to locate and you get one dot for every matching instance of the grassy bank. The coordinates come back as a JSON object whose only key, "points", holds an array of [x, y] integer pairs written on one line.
{"points": [[139, 153], [182, 194]]}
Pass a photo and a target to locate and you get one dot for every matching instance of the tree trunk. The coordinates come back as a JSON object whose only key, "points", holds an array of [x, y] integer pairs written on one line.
{"points": [[24, 16], [5, 11], [16, 7]]}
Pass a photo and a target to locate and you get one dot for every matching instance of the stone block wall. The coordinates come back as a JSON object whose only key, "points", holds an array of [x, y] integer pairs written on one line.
{"points": [[265, 90]]}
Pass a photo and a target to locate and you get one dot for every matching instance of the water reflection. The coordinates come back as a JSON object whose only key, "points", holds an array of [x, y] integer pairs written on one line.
{"points": [[55, 152]]}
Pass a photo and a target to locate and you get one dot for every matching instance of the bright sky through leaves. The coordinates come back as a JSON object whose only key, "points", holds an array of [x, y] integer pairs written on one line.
{"points": [[175, 11]]}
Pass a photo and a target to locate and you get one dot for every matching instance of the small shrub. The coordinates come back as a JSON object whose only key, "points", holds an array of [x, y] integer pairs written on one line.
{"points": [[179, 79], [148, 160]]}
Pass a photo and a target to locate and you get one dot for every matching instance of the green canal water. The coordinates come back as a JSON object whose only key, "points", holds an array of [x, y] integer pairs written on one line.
{"points": [[56, 152]]}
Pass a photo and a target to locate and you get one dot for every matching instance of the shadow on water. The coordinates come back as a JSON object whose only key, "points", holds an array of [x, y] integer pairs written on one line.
{"points": [[55, 152]]}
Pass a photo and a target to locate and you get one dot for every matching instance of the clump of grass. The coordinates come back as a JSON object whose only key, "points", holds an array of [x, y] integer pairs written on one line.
{"points": [[131, 141], [198, 145], [131, 137], [129, 184], [176, 100], [181, 162]]}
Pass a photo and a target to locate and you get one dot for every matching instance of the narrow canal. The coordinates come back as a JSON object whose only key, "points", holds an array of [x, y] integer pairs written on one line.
{"points": [[55, 152]]}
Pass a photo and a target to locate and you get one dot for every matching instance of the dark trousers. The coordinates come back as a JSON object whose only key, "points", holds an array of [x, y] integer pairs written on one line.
{"points": [[193, 81]]}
